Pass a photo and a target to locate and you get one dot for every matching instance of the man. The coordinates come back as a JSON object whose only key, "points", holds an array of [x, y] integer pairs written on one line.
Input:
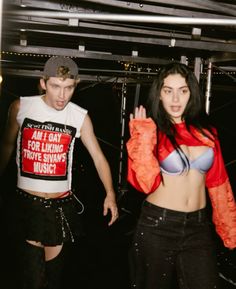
{"points": [[45, 127]]}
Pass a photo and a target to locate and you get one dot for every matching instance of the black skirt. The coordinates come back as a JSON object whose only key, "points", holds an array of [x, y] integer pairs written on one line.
{"points": [[49, 221]]}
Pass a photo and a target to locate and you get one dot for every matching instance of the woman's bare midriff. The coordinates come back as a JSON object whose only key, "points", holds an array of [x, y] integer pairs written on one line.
{"points": [[184, 193]]}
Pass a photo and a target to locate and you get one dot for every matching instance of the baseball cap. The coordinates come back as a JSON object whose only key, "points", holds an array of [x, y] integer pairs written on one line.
{"points": [[60, 66]]}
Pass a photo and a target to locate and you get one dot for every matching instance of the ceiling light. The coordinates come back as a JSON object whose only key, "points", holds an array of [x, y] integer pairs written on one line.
{"points": [[196, 33]]}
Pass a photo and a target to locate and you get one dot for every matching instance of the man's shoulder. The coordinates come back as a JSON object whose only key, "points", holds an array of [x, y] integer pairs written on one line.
{"points": [[30, 97], [76, 107]]}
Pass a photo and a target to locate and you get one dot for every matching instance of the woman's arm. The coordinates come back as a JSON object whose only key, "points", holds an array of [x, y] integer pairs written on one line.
{"points": [[143, 167], [222, 199]]}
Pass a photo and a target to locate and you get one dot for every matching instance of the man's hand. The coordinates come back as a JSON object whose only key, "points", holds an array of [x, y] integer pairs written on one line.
{"points": [[110, 204]]}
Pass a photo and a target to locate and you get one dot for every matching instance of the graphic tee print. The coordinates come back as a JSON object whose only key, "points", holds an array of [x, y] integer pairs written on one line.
{"points": [[45, 149]]}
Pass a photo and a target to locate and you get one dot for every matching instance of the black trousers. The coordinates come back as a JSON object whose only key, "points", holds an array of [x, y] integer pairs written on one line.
{"points": [[49, 221], [170, 243]]}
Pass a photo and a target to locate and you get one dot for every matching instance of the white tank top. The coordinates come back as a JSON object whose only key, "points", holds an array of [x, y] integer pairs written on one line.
{"points": [[45, 144]]}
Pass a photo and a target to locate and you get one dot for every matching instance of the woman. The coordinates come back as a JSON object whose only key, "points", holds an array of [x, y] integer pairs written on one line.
{"points": [[173, 156]]}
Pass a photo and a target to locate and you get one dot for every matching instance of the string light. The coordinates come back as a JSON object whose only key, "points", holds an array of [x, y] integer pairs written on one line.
{"points": [[127, 66]]}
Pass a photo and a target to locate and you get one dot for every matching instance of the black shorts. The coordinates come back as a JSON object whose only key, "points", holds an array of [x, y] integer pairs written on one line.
{"points": [[49, 221]]}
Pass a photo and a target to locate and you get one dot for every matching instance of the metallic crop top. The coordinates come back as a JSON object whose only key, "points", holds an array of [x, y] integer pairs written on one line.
{"points": [[173, 164]]}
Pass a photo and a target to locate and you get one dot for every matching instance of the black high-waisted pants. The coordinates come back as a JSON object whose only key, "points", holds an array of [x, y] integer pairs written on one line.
{"points": [[170, 243]]}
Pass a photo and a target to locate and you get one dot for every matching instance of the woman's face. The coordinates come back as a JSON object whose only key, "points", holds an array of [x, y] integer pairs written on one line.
{"points": [[175, 95]]}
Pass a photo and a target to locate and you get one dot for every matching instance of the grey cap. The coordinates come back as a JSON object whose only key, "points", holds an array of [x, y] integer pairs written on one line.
{"points": [[60, 66]]}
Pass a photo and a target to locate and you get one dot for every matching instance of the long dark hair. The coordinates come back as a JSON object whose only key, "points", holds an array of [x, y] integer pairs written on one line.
{"points": [[194, 113]]}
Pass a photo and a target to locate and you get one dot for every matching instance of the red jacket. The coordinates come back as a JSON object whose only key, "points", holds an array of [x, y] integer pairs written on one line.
{"points": [[145, 175]]}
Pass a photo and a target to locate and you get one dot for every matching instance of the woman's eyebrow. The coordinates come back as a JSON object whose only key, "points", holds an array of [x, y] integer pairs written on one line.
{"points": [[166, 86]]}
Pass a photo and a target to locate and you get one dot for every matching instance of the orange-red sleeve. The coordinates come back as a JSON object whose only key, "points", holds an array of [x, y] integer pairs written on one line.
{"points": [[143, 167], [224, 213], [222, 199]]}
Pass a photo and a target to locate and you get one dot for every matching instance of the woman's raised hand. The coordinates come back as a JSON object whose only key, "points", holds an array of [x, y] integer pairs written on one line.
{"points": [[139, 113]]}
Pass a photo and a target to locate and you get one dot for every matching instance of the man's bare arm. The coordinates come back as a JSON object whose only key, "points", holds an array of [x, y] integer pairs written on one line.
{"points": [[9, 138], [90, 141]]}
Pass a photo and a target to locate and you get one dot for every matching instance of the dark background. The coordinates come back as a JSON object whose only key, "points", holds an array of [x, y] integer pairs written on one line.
{"points": [[100, 259]]}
